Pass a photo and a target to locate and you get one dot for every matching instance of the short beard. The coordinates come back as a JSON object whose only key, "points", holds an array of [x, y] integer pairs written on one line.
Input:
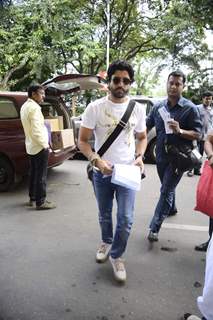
{"points": [[119, 94]]}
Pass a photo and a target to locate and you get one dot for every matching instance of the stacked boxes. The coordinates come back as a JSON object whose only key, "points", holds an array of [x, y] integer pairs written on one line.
{"points": [[56, 123], [61, 138]]}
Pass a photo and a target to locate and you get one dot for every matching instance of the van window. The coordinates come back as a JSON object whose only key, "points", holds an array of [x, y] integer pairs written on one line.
{"points": [[7, 109]]}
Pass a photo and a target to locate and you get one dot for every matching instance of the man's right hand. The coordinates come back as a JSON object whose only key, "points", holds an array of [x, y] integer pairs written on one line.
{"points": [[104, 166]]}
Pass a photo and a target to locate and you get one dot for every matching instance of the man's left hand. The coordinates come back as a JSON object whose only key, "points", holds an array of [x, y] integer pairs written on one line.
{"points": [[139, 162]]}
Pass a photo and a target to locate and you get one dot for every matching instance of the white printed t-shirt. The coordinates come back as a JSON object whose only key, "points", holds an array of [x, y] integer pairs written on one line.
{"points": [[102, 116]]}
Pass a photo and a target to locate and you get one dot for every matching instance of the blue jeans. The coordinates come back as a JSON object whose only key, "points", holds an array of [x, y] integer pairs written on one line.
{"points": [[38, 176], [104, 192], [160, 170], [169, 181]]}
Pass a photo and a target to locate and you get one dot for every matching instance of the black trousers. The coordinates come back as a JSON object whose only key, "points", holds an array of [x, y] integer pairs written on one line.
{"points": [[210, 227], [38, 176], [200, 145]]}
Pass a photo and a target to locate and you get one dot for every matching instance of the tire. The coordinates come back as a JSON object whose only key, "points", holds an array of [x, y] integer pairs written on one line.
{"points": [[7, 175], [152, 151]]}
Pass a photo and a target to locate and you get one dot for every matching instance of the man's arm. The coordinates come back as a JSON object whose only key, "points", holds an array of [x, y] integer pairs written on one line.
{"points": [[194, 121], [141, 144], [84, 146], [186, 134], [208, 146], [84, 135], [38, 127]]}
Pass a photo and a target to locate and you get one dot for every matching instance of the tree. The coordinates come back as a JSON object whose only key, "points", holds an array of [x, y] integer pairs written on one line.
{"points": [[5, 3], [41, 38], [202, 12]]}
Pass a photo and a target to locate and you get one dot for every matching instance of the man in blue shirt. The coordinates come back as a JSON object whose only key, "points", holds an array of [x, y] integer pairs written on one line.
{"points": [[177, 121]]}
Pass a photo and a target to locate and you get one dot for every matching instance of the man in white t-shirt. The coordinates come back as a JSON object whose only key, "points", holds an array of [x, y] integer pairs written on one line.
{"points": [[101, 117], [205, 301]]}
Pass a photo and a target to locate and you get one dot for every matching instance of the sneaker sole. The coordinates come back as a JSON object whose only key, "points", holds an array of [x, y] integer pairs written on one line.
{"points": [[104, 259], [40, 209], [115, 276], [119, 279]]}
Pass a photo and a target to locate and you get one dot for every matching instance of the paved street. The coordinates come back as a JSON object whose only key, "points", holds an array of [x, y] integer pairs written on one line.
{"points": [[48, 269]]}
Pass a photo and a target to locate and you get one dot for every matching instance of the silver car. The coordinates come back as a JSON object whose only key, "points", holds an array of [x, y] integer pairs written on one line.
{"points": [[151, 137]]}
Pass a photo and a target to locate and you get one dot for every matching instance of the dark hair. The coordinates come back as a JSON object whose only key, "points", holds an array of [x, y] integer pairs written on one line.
{"points": [[34, 88], [207, 94], [178, 73], [120, 65]]}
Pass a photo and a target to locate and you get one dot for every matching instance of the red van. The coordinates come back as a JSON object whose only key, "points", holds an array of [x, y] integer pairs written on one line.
{"points": [[13, 157]]}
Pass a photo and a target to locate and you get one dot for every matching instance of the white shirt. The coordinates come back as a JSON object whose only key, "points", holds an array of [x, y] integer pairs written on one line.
{"points": [[206, 114], [102, 116], [36, 135]]}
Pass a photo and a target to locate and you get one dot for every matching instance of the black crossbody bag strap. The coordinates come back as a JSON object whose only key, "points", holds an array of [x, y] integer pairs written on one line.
{"points": [[120, 126]]}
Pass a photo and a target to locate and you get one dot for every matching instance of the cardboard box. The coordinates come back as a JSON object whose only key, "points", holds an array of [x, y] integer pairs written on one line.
{"points": [[56, 123], [61, 122], [62, 139]]}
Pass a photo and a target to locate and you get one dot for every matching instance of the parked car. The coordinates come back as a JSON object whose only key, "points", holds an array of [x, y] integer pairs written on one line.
{"points": [[147, 104], [13, 157]]}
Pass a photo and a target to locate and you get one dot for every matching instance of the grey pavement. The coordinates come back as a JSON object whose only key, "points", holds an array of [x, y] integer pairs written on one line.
{"points": [[47, 258]]}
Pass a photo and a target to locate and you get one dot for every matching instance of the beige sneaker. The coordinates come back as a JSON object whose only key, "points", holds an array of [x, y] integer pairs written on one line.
{"points": [[46, 206], [118, 269], [103, 252]]}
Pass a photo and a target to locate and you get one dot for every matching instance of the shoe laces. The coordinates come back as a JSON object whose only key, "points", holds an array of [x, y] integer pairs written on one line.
{"points": [[119, 264], [103, 248]]}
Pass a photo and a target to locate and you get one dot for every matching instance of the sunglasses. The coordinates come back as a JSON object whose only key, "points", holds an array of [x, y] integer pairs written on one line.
{"points": [[117, 80]]}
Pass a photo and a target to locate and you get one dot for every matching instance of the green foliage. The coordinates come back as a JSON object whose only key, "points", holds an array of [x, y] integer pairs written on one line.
{"points": [[40, 38], [201, 12], [198, 82]]}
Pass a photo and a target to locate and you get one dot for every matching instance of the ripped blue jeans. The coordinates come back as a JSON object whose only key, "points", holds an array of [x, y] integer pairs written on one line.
{"points": [[105, 192]]}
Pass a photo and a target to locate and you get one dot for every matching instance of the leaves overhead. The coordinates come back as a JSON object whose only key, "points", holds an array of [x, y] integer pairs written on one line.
{"points": [[39, 38]]}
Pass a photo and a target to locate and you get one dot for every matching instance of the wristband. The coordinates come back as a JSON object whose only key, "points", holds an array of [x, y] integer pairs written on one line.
{"points": [[93, 157], [180, 132]]}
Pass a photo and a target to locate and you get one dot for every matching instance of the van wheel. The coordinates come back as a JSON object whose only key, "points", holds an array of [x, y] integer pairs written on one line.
{"points": [[7, 174], [152, 151]]}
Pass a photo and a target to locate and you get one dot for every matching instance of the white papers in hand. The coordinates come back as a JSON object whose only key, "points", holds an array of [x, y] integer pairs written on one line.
{"points": [[128, 176], [165, 115]]}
